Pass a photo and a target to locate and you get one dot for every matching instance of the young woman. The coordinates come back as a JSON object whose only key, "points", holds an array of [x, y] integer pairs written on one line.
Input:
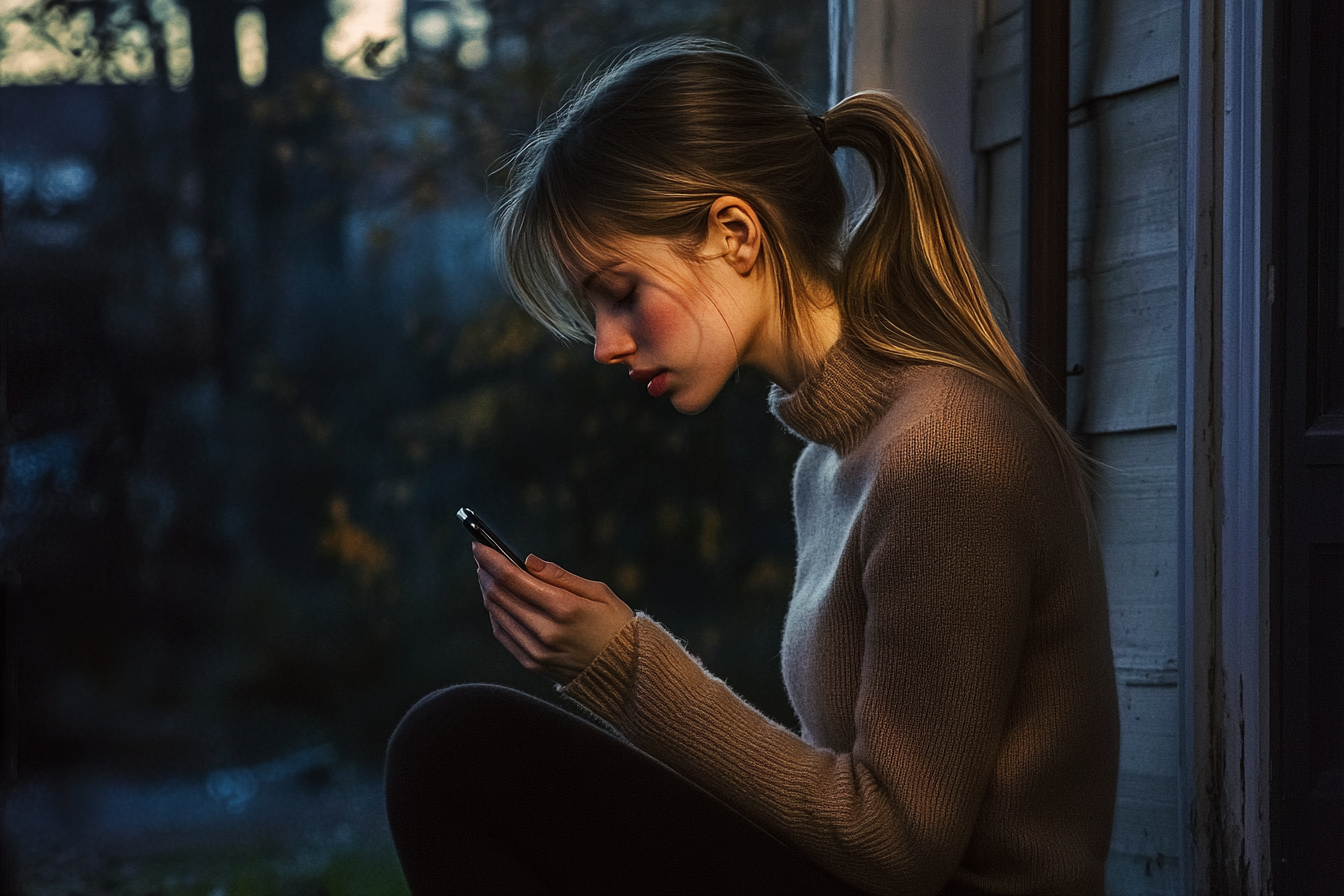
{"points": [[947, 646]]}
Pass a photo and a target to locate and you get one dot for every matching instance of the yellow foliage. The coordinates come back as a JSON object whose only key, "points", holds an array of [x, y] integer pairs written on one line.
{"points": [[628, 579], [314, 426], [496, 339], [769, 575], [354, 548], [711, 530], [472, 417]]}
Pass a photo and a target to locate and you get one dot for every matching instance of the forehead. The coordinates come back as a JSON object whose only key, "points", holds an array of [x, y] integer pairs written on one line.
{"points": [[623, 256]]}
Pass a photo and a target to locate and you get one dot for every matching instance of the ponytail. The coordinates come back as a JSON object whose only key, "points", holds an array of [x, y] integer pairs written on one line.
{"points": [[910, 289]]}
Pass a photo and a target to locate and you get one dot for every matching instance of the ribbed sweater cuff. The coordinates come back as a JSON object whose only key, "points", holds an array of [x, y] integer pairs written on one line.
{"points": [[606, 684]]}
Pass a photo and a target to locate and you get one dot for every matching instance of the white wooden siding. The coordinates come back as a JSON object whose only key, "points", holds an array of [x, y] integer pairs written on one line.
{"points": [[1135, 43], [1132, 380], [1001, 238], [1118, 46], [1145, 844], [1138, 533]]}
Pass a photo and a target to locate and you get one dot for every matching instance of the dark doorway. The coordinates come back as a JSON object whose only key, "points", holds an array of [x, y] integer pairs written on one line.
{"points": [[1308, 396]]}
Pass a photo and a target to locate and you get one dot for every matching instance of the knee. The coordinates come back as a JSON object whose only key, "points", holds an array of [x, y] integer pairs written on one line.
{"points": [[445, 724], [431, 746]]}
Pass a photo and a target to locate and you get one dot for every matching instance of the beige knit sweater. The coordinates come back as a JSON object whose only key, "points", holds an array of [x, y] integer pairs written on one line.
{"points": [[947, 651]]}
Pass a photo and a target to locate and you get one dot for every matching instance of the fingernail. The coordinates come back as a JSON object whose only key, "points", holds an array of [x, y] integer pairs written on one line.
{"points": [[535, 563]]}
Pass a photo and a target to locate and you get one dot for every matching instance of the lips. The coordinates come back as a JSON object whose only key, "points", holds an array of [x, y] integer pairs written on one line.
{"points": [[655, 379], [658, 385]]}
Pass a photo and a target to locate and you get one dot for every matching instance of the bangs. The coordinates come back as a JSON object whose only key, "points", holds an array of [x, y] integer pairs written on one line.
{"points": [[546, 244]]}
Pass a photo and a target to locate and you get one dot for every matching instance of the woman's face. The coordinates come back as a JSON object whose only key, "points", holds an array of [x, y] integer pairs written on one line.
{"points": [[681, 325]]}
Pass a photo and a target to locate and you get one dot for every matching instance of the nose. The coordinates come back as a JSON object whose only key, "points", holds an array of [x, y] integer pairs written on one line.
{"points": [[612, 343]]}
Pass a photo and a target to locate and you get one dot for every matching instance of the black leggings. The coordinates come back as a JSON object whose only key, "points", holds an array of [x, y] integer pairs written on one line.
{"points": [[492, 791]]}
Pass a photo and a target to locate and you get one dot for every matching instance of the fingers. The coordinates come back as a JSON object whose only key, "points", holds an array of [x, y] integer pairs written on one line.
{"points": [[532, 615], [535, 642], [545, 585], [550, 620], [520, 609], [509, 633], [498, 565], [502, 571], [558, 576]]}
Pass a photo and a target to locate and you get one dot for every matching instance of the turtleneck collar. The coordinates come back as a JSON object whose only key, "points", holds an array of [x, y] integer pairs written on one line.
{"points": [[841, 401]]}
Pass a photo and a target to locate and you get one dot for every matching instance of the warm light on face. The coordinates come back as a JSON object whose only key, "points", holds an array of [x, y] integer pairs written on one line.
{"points": [[685, 323], [250, 32]]}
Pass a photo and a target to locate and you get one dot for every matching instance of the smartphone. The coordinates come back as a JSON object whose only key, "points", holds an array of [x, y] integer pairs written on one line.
{"points": [[486, 536]]}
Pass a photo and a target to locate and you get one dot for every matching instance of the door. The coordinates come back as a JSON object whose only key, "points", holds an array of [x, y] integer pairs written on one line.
{"points": [[1308, 783]]}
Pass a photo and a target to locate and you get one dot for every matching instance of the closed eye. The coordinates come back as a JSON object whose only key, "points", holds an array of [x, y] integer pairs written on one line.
{"points": [[613, 292]]}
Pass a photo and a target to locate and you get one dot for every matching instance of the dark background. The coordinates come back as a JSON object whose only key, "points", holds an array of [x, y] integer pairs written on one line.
{"points": [[255, 358]]}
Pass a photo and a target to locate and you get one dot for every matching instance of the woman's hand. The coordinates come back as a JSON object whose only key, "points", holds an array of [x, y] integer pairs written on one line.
{"points": [[552, 621]]}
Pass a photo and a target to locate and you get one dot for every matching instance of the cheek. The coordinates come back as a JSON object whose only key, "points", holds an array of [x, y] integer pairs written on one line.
{"points": [[668, 323]]}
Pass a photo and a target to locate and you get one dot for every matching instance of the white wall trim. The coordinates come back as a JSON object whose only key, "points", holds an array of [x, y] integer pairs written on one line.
{"points": [[1223, 541], [841, 31]]}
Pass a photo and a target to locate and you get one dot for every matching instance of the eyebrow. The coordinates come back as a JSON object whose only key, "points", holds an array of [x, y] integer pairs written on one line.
{"points": [[588, 281]]}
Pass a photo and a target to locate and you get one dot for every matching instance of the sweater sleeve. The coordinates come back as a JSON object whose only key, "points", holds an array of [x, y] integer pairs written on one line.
{"points": [[945, 581]]}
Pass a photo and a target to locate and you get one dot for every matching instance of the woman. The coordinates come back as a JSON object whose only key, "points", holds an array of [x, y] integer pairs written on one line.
{"points": [[946, 648]]}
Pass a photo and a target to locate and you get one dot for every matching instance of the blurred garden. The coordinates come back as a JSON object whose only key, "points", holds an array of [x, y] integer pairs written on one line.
{"points": [[254, 358]]}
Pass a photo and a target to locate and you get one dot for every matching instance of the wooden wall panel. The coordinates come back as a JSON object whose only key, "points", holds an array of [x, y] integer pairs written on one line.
{"points": [[1124, 171], [1140, 161], [1001, 233], [1122, 257], [998, 10], [1145, 847], [997, 109], [1119, 46], [1136, 43], [1132, 368], [1137, 523]]}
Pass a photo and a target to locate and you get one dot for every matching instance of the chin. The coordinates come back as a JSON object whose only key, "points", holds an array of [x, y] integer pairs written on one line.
{"points": [[690, 405], [692, 401]]}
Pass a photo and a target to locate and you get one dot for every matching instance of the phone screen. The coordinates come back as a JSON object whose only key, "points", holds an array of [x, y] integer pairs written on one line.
{"points": [[486, 536]]}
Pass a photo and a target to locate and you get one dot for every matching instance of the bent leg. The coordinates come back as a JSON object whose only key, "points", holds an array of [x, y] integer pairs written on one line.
{"points": [[493, 791]]}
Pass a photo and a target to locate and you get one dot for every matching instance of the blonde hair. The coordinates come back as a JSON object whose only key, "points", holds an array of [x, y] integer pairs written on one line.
{"points": [[646, 147]]}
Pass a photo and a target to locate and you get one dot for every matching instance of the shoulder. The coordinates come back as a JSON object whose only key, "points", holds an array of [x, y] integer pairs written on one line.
{"points": [[966, 464], [949, 428]]}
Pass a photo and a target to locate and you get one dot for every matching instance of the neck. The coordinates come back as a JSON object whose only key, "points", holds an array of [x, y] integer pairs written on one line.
{"points": [[787, 362]]}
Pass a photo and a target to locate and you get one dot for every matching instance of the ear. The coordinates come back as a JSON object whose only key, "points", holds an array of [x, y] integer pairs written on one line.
{"points": [[734, 233]]}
